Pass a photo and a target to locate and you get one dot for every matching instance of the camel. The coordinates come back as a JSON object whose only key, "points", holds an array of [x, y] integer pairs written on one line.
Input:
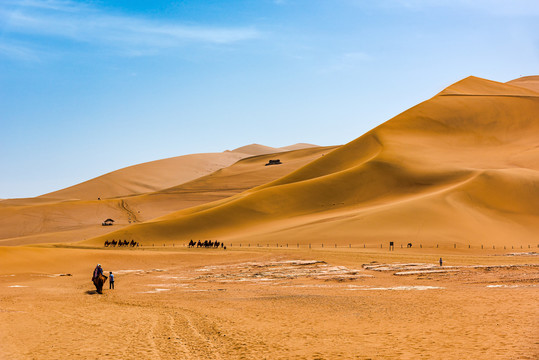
{"points": [[99, 282], [409, 245], [192, 243]]}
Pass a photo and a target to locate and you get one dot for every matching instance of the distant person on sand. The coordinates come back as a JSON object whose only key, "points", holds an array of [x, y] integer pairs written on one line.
{"points": [[111, 281], [440, 261]]}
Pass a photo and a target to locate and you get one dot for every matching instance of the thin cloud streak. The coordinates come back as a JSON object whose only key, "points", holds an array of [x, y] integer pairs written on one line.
{"points": [[85, 24], [502, 8], [18, 52]]}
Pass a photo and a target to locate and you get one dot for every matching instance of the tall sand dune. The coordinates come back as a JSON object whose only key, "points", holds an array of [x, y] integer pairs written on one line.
{"points": [[458, 169]]}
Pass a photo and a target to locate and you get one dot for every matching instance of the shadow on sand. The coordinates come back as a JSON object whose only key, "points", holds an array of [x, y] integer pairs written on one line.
{"points": [[91, 292]]}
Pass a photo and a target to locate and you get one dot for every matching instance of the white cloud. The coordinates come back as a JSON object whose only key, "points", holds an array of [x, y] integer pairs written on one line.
{"points": [[88, 24], [493, 7]]}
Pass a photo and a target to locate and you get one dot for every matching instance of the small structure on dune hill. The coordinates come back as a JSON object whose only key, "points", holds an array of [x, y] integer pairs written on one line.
{"points": [[107, 222], [274, 162]]}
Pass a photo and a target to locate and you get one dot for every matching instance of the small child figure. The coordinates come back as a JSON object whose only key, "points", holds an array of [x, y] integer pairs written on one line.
{"points": [[111, 281]]}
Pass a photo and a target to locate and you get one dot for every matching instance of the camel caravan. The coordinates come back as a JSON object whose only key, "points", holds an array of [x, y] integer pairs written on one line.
{"points": [[207, 244], [121, 243]]}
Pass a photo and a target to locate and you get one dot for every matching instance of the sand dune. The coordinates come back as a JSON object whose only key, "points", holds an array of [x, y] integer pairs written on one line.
{"points": [[458, 168], [528, 82], [160, 174], [148, 177], [257, 149], [46, 220]]}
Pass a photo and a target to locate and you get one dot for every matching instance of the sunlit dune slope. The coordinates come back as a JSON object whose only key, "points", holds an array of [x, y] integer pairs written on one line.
{"points": [[43, 220], [161, 174], [460, 168], [241, 176], [528, 82], [148, 177], [257, 149]]}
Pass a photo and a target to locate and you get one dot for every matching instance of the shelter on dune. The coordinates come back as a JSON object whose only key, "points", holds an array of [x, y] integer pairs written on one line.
{"points": [[274, 162], [108, 222]]}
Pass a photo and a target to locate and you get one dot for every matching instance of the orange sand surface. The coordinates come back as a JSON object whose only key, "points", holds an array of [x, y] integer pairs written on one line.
{"points": [[268, 303]]}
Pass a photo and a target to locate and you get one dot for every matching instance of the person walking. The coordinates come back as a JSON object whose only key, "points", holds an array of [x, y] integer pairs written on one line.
{"points": [[440, 261], [111, 280]]}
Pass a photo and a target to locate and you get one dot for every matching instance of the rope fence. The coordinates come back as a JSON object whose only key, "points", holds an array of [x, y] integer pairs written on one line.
{"points": [[389, 246]]}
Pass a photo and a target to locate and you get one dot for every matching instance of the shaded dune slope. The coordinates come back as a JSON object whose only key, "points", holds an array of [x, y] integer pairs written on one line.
{"points": [[460, 167]]}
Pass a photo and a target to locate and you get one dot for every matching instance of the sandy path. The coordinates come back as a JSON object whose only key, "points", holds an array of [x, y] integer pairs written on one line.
{"points": [[267, 304]]}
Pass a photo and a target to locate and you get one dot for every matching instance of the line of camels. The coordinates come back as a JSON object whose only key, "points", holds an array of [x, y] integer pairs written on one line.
{"points": [[207, 244], [120, 243]]}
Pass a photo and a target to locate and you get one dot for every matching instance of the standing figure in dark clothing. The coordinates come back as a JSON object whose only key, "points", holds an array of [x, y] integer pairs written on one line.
{"points": [[111, 280]]}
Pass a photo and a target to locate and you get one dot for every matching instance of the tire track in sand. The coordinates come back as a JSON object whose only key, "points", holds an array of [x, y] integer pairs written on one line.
{"points": [[195, 335]]}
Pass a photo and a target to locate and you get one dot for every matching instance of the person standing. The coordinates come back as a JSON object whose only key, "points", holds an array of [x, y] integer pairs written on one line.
{"points": [[111, 280], [440, 261]]}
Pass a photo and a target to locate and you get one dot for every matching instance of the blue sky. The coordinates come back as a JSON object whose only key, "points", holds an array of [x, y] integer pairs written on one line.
{"points": [[88, 87]]}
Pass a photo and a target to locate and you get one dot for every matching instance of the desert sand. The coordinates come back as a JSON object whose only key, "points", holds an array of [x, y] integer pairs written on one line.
{"points": [[307, 272], [268, 303]]}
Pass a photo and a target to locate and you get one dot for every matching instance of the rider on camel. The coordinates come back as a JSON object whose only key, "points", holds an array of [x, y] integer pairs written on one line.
{"points": [[97, 271]]}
